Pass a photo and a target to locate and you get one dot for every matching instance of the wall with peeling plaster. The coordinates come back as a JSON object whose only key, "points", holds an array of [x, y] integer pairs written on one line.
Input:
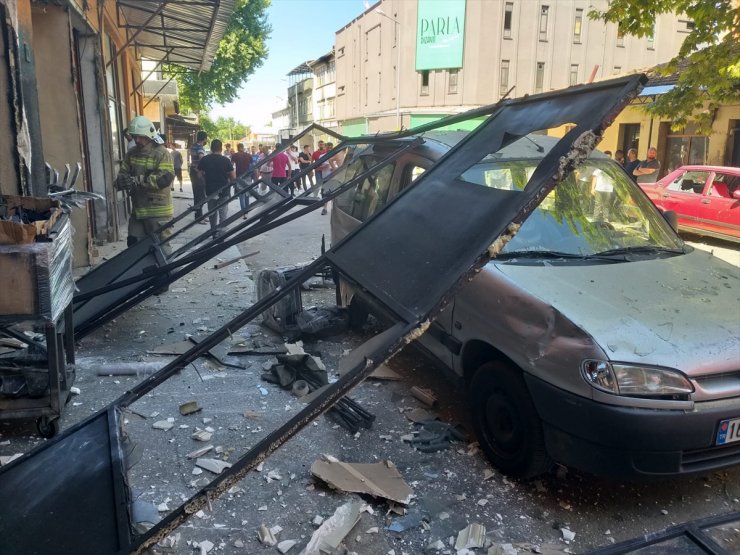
{"points": [[58, 112]]}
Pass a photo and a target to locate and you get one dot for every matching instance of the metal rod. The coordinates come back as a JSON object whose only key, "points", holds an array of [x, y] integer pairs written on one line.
{"points": [[157, 93], [132, 38]]}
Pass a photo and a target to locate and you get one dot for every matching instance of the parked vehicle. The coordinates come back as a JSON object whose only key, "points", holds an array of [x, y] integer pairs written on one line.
{"points": [[705, 198], [596, 339]]}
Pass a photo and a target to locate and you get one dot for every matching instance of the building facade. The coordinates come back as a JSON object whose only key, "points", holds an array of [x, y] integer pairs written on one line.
{"points": [[325, 91], [405, 63], [73, 75]]}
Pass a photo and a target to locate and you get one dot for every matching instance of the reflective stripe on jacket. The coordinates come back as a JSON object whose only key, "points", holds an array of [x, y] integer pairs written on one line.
{"points": [[150, 161]]}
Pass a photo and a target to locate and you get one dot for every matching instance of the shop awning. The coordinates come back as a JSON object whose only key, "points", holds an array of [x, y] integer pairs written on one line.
{"points": [[182, 32]]}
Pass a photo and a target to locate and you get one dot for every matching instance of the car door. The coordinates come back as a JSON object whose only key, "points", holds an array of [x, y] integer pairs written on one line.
{"points": [[718, 212], [683, 195]]}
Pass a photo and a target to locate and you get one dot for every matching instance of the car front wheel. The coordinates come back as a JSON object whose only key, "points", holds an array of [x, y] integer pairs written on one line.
{"points": [[507, 425]]}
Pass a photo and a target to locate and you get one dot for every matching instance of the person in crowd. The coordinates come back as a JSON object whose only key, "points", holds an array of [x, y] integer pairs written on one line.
{"points": [[292, 153], [147, 173], [608, 153], [217, 172], [265, 169], [197, 152], [177, 163], [648, 170], [632, 162], [619, 157], [304, 160], [280, 171], [242, 161], [227, 151]]}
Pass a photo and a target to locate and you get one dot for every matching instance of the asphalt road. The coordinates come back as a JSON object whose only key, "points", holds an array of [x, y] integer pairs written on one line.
{"points": [[452, 488]]}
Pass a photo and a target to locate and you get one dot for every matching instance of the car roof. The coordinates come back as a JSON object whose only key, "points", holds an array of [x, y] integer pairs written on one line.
{"points": [[699, 168]]}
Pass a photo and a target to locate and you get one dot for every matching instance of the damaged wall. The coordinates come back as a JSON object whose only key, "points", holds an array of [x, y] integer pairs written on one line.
{"points": [[60, 123], [9, 182]]}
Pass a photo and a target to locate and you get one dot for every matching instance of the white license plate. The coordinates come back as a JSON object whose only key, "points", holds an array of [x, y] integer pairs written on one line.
{"points": [[729, 431]]}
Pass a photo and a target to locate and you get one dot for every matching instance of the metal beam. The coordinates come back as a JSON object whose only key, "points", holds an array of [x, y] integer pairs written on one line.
{"points": [[148, 75], [132, 38]]}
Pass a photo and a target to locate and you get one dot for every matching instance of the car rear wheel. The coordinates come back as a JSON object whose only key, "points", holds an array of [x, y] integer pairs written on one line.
{"points": [[506, 423]]}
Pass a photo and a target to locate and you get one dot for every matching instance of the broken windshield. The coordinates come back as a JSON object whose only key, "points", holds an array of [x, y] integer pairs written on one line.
{"points": [[596, 209]]}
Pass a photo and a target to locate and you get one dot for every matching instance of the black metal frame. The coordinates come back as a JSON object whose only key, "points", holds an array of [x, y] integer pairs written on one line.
{"points": [[694, 532], [592, 108]]}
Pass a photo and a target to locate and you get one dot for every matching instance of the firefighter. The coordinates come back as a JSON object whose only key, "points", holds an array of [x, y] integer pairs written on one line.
{"points": [[147, 173]]}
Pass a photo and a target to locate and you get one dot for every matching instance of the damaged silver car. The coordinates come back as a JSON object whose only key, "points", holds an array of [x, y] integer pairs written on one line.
{"points": [[596, 338]]}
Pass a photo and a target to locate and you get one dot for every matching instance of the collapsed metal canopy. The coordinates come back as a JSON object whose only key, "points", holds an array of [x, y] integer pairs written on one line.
{"points": [[186, 32], [426, 257]]}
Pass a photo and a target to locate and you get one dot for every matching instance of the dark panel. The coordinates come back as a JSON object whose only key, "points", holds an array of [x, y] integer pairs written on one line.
{"points": [[65, 498], [419, 244]]}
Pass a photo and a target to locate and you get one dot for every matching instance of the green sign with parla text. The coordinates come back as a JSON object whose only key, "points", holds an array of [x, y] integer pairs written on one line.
{"points": [[440, 34]]}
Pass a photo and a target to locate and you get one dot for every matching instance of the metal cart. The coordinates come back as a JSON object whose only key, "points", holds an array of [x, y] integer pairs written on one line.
{"points": [[36, 289]]}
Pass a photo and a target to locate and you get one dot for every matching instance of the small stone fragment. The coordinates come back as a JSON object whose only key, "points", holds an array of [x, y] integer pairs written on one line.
{"points": [[317, 520], [163, 425], [568, 536], [199, 452], [75, 390], [286, 545], [213, 465], [201, 435], [265, 536]]}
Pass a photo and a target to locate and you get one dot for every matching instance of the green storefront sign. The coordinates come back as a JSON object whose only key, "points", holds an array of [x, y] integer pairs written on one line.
{"points": [[440, 34]]}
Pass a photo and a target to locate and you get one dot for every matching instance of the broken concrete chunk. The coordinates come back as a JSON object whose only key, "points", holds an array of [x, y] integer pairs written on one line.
{"points": [[502, 549], [268, 536], [317, 520], [379, 479], [199, 452], [438, 545], [213, 465], [471, 537], [382, 372], [74, 390], [10, 458], [567, 534], [162, 425], [420, 415], [426, 396], [202, 435], [286, 545], [190, 407], [205, 547], [170, 542], [333, 530]]}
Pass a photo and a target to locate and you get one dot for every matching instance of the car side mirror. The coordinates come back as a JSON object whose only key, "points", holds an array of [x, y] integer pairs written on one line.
{"points": [[736, 194], [672, 218]]}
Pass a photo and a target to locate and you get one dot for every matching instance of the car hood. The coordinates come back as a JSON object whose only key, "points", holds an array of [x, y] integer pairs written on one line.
{"points": [[681, 312]]}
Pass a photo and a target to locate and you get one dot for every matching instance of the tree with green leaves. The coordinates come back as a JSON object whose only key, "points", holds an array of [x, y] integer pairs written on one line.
{"points": [[241, 50], [708, 63], [226, 129]]}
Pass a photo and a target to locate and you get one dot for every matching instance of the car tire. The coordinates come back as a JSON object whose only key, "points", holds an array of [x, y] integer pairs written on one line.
{"points": [[506, 423]]}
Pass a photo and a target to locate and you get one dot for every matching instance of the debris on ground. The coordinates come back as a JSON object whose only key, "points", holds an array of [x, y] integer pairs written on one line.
{"points": [[191, 407], [256, 347], [378, 479], [383, 372], [426, 396], [202, 435], [322, 321], [418, 415], [472, 536], [9, 459], [123, 368], [329, 536], [268, 536], [213, 465], [164, 425], [436, 436], [198, 453], [502, 549], [568, 536], [286, 545]]}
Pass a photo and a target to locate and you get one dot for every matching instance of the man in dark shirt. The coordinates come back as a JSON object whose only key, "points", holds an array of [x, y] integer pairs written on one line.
{"points": [[304, 160], [242, 164], [217, 172], [631, 163], [197, 152], [648, 170]]}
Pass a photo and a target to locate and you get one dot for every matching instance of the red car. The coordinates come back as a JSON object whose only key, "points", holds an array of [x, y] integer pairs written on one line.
{"points": [[705, 198]]}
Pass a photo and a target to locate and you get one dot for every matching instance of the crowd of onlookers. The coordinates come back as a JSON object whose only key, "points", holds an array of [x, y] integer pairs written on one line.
{"points": [[210, 172], [641, 171]]}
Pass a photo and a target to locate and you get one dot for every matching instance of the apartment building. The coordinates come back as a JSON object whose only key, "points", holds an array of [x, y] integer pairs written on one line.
{"points": [[408, 62], [325, 90]]}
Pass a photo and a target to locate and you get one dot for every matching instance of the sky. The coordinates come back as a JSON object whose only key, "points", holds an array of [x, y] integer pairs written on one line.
{"points": [[301, 30]]}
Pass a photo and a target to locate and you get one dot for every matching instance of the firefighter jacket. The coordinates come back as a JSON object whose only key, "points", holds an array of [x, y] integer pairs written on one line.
{"points": [[149, 172]]}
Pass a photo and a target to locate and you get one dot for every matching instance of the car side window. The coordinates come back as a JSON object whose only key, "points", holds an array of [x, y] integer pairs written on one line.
{"points": [[689, 182], [372, 194], [724, 185], [410, 174]]}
